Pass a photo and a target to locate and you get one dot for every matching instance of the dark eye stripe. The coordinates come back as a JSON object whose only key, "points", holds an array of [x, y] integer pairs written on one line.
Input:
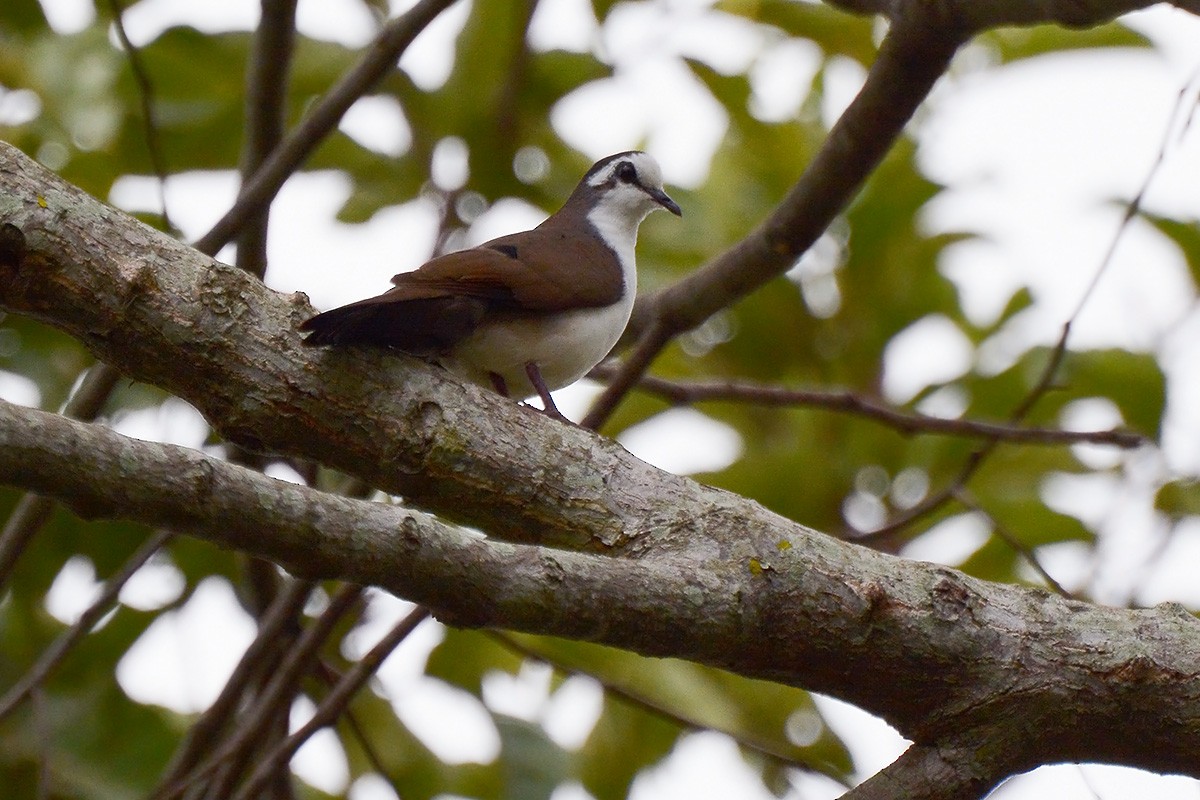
{"points": [[627, 173]]}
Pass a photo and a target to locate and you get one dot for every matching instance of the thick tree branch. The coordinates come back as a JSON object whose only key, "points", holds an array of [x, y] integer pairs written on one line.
{"points": [[32, 511], [959, 771], [1039, 678], [160, 312]]}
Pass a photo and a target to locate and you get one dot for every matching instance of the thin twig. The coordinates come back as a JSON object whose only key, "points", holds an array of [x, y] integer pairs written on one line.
{"points": [[333, 705], [141, 76], [41, 722], [255, 194], [1013, 541], [53, 655], [632, 369], [332, 677], [907, 422], [1170, 137], [261, 188], [977, 457], [1058, 353]]}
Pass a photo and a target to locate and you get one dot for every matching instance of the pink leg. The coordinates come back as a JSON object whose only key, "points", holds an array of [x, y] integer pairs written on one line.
{"points": [[535, 377]]}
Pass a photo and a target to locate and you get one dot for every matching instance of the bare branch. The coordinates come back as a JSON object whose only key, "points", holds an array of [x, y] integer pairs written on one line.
{"points": [[53, 655], [146, 95], [978, 16], [907, 422], [379, 59], [924, 37], [1013, 541], [675, 716], [864, 6], [32, 511], [962, 771], [222, 769], [266, 111], [260, 658], [333, 705], [1058, 353], [219, 339]]}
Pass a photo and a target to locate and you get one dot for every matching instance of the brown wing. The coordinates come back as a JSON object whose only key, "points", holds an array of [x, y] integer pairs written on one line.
{"points": [[432, 308], [538, 270]]}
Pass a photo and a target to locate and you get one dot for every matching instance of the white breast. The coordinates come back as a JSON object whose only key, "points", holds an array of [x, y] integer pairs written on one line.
{"points": [[564, 346]]}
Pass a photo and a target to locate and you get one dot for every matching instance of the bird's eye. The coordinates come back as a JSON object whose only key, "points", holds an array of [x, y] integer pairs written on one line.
{"points": [[627, 173]]}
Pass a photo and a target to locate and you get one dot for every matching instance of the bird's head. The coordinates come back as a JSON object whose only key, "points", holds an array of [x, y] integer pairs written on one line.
{"points": [[627, 185]]}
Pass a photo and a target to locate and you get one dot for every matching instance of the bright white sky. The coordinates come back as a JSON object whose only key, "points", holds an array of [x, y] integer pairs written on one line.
{"points": [[1034, 153]]}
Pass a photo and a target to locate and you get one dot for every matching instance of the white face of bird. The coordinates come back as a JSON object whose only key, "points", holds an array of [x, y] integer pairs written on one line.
{"points": [[630, 186]]}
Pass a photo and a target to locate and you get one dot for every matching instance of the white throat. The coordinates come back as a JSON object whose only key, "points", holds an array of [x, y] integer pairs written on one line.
{"points": [[618, 229]]}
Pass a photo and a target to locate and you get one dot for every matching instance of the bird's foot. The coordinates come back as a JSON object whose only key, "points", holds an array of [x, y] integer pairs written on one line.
{"points": [[548, 407]]}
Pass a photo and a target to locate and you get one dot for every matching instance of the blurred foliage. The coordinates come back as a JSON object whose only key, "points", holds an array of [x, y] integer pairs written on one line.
{"points": [[828, 324]]}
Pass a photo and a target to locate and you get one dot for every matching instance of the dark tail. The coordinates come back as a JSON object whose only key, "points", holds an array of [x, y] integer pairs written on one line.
{"points": [[351, 324], [422, 327]]}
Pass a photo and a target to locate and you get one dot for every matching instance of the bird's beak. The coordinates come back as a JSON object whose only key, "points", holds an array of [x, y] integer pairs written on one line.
{"points": [[660, 197]]}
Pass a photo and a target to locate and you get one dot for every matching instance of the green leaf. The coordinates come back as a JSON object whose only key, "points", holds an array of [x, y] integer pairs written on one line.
{"points": [[51, 359], [463, 657], [837, 32], [624, 741], [1014, 43], [1185, 235], [406, 761], [1134, 381], [1179, 498], [533, 765], [21, 16]]}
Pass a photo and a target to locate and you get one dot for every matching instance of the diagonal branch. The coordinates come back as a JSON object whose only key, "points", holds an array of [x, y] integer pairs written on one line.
{"points": [[262, 656], [913, 55], [282, 162], [53, 655], [160, 312], [333, 705], [922, 40], [31, 511]]}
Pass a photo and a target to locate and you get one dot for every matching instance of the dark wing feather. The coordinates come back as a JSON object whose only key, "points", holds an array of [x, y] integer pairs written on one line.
{"points": [[423, 326]]}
